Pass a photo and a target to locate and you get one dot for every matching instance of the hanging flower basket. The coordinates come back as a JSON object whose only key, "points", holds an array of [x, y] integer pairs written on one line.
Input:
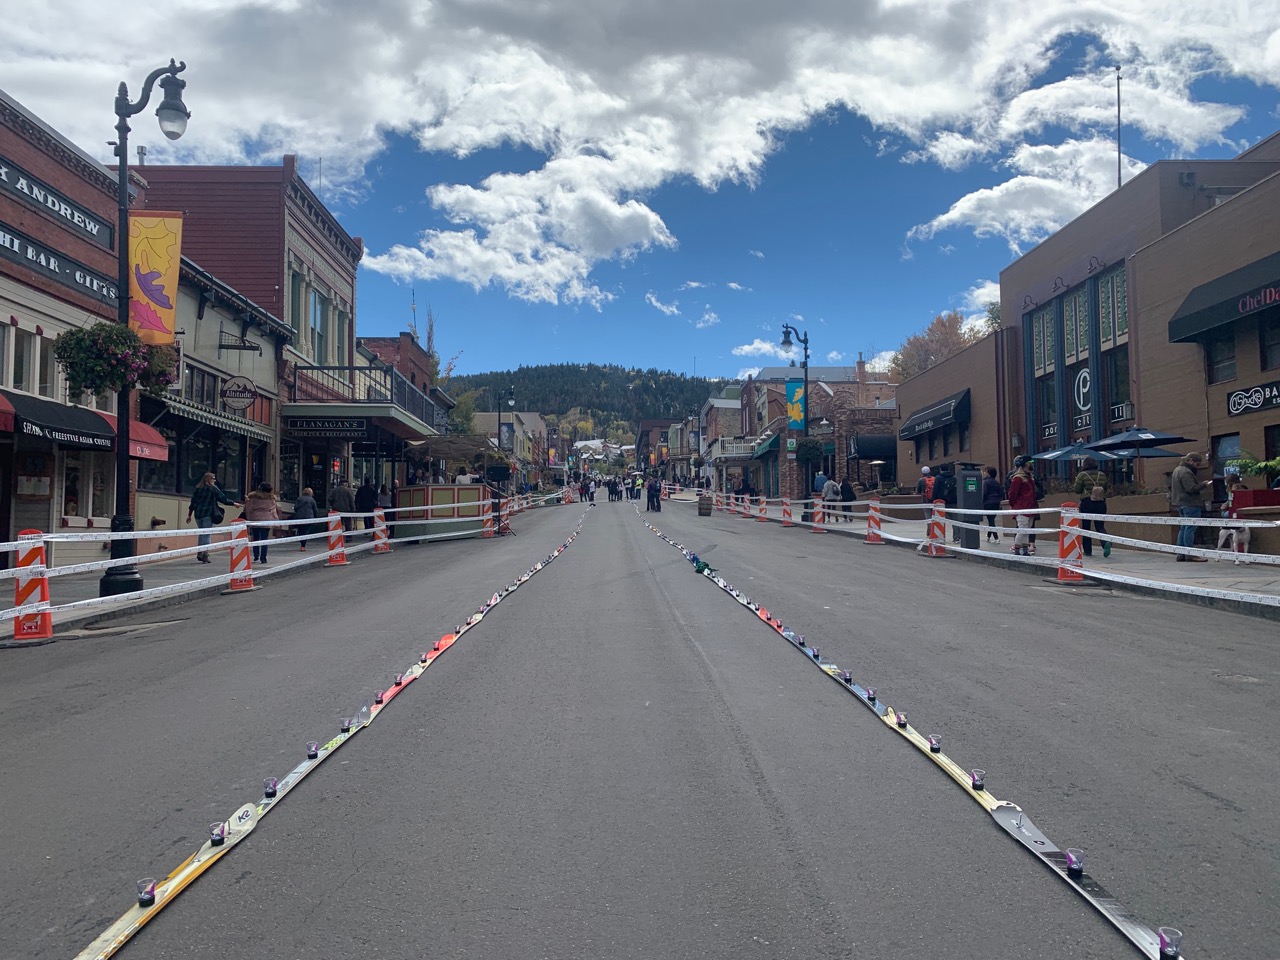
{"points": [[110, 356]]}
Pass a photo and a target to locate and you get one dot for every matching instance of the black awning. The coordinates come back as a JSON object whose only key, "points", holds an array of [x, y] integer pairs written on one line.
{"points": [[1230, 297], [952, 409], [69, 426]]}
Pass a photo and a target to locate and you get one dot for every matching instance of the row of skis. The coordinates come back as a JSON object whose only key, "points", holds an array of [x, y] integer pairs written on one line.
{"points": [[155, 894], [1165, 943]]}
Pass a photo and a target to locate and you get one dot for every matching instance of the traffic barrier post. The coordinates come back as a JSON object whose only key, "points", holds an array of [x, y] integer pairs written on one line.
{"points": [[337, 542], [241, 561], [819, 518], [381, 542], [762, 515], [1069, 548], [786, 513], [486, 517], [936, 544], [873, 521], [719, 502], [32, 589]]}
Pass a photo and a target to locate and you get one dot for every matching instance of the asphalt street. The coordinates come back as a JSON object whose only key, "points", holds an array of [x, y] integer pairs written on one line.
{"points": [[620, 761]]}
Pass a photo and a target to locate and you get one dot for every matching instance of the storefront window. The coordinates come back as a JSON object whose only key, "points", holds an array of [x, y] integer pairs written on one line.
{"points": [[933, 446], [963, 429], [1225, 447], [1269, 339], [1220, 357], [1046, 401], [946, 441], [319, 307], [196, 454], [48, 368], [1271, 441], [1116, 365], [229, 459], [84, 484], [200, 387], [290, 469], [25, 347], [157, 477]]}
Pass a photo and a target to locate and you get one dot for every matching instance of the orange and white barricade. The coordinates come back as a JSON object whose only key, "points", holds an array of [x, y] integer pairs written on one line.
{"points": [[786, 513], [1069, 561], [241, 560], [486, 517], [747, 512], [337, 542], [873, 521], [381, 540], [666, 491], [935, 546], [504, 515], [719, 500], [819, 518], [760, 512], [32, 589]]}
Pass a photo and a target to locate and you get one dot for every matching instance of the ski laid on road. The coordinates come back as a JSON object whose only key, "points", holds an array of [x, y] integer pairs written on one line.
{"points": [[1162, 944], [155, 896]]}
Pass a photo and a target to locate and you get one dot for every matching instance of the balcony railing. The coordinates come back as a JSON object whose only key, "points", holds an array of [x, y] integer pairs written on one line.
{"points": [[731, 448], [363, 385]]}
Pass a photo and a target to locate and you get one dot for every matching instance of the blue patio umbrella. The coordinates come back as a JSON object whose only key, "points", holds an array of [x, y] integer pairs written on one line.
{"points": [[1076, 451], [1140, 453], [1137, 437]]}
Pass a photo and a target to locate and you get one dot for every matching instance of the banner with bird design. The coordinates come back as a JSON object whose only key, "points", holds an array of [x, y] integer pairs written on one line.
{"points": [[155, 253]]}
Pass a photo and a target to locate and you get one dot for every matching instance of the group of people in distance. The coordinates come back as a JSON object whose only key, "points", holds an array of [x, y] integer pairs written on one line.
{"points": [[1023, 490]]}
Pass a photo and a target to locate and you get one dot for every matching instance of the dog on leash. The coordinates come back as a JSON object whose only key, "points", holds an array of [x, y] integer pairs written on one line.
{"points": [[1235, 539]]}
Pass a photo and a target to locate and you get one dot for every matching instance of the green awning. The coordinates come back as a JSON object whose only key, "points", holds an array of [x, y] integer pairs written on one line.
{"points": [[769, 446]]}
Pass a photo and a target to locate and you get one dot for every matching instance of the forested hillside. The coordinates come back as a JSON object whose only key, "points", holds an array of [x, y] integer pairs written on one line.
{"points": [[588, 400]]}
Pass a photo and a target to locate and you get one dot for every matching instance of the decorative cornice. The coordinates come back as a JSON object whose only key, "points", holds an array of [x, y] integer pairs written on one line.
{"points": [[93, 174], [323, 220]]}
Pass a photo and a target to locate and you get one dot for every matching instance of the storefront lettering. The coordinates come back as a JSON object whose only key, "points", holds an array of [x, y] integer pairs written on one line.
{"points": [[1263, 396], [18, 248], [64, 436], [1258, 299], [15, 180]]}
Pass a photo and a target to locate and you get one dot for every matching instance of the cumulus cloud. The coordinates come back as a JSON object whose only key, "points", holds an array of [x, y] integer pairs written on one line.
{"points": [[692, 285], [763, 348], [614, 103], [709, 318], [737, 286], [748, 372], [834, 356], [976, 298], [670, 309], [757, 254]]}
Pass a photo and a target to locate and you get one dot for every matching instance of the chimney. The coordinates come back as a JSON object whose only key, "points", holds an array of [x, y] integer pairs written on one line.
{"points": [[862, 368]]}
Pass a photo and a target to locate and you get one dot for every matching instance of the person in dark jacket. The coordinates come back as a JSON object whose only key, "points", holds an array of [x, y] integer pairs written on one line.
{"points": [[847, 495], [366, 500], [343, 500], [205, 507], [306, 508], [992, 495]]}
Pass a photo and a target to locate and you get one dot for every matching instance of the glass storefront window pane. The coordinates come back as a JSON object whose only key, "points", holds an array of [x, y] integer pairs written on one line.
{"points": [[48, 368], [1082, 323], [1106, 308], [72, 475], [196, 454], [154, 476], [229, 455], [1069, 327], [24, 361], [1269, 338], [101, 464], [1220, 357], [1122, 304]]}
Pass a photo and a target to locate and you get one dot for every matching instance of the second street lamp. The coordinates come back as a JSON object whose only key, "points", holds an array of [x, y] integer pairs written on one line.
{"points": [[788, 331], [172, 114]]}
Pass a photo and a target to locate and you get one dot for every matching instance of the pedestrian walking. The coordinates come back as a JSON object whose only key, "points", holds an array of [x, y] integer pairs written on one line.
{"points": [[207, 500], [848, 494], [924, 486], [343, 499], [366, 499], [1092, 485], [1022, 496], [992, 495], [306, 508], [830, 497], [260, 507], [1186, 494]]}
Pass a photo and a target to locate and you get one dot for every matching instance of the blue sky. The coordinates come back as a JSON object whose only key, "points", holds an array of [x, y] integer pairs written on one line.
{"points": [[664, 184]]}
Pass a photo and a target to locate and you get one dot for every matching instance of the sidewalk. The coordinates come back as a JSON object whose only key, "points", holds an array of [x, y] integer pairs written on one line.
{"points": [[1211, 584]]}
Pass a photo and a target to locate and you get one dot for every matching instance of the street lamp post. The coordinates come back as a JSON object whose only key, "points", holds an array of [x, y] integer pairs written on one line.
{"points": [[172, 114], [511, 403], [803, 339]]}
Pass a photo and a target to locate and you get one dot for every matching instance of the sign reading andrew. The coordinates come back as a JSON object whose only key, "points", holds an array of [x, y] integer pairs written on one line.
{"points": [[17, 182]]}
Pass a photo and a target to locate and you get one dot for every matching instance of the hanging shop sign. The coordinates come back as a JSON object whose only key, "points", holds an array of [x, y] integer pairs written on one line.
{"points": [[16, 182], [238, 393]]}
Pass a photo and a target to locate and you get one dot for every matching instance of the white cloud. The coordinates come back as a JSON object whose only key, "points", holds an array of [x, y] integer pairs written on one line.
{"points": [[763, 348], [880, 362], [693, 285], [737, 286], [670, 309], [757, 254], [835, 356], [748, 372], [616, 100], [1053, 184], [976, 298], [947, 249], [709, 318]]}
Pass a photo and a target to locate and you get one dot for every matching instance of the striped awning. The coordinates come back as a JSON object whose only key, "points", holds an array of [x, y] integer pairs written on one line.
{"points": [[224, 421]]}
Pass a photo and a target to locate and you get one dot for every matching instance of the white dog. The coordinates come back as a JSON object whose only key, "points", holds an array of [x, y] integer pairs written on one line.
{"points": [[1235, 539]]}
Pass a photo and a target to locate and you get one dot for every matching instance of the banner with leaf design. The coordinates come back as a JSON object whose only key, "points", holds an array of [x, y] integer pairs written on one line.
{"points": [[155, 253]]}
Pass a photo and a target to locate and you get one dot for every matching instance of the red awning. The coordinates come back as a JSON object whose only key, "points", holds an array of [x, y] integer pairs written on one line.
{"points": [[145, 441], [6, 415]]}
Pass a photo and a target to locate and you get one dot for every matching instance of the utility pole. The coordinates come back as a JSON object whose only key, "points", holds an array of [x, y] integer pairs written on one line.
{"points": [[1119, 155]]}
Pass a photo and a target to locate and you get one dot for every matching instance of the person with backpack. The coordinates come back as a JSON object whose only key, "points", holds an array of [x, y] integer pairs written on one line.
{"points": [[944, 489], [924, 486], [847, 495], [1022, 496], [1091, 485]]}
